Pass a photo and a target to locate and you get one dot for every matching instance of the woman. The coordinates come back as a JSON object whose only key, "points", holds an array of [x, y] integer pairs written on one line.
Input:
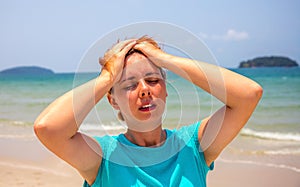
{"points": [[146, 155]]}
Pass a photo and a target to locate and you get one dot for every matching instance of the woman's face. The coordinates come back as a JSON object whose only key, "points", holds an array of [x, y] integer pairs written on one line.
{"points": [[140, 94]]}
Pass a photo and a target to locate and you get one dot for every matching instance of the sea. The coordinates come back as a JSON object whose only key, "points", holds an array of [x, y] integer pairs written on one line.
{"points": [[271, 136]]}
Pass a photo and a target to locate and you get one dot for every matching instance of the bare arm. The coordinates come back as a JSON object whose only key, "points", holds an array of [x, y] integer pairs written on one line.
{"points": [[57, 126], [239, 94]]}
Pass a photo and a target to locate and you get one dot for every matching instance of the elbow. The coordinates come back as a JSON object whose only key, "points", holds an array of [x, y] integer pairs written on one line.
{"points": [[45, 133], [40, 129], [43, 130], [255, 92]]}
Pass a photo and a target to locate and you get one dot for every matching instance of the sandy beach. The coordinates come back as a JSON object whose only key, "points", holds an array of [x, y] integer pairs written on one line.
{"points": [[25, 162], [249, 175]]}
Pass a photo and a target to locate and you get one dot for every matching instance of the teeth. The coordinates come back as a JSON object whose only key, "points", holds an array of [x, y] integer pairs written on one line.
{"points": [[146, 106]]}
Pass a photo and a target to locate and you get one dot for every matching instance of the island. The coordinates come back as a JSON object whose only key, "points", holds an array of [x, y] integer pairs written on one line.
{"points": [[272, 61], [27, 70]]}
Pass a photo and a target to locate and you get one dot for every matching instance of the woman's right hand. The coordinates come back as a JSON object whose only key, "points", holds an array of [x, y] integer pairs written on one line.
{"points": [[113, 60], [154, 53]]}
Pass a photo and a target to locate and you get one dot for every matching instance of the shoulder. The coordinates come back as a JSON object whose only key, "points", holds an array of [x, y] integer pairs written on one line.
{"points": [[189, 132], [184, 136], [189, 137], [106, 142]]}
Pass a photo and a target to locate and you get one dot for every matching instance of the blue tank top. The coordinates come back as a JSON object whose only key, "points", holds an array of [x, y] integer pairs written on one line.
{"points": [[178, 162]]}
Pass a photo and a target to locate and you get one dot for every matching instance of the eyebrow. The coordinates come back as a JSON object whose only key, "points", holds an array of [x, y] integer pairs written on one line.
{"points": [[152, 73], [130, 78]]}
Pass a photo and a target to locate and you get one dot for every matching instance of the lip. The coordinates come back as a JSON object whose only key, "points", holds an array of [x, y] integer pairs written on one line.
{"points": [[147, 107]]}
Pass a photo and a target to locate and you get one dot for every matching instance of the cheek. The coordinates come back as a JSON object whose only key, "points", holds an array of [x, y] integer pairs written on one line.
{"points": [[127, 100], [161, 91], [132, 98]]}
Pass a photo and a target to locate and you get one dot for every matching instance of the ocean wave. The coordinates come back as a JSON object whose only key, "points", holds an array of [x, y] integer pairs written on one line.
{"points": [[271, 135], [18, 136], [283, 152], [4, 121], [282, 166]]}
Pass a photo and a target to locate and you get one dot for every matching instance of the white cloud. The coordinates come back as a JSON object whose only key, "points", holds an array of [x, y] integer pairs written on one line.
{"points": [[203, 35], [230, 35], [235, 35]]}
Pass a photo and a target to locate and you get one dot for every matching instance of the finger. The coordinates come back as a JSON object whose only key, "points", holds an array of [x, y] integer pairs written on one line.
{"points": [[144, 47], [123, 47], [119, 46], [128, 47], [139, 46], [116, 49]]}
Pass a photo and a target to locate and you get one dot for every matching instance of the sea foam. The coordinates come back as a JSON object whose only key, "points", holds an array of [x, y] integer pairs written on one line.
{"points": [[271, 135]]}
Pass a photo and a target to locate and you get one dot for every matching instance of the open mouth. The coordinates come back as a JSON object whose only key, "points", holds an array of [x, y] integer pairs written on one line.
{"points": [[147, 107]]}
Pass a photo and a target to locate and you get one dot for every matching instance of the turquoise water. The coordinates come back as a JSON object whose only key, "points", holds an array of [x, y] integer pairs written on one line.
{"points": [[276, 117], [279, 110], [271, 136]]}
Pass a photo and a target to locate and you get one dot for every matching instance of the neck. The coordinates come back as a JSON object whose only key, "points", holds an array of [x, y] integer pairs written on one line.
{"points": [[154, 138]]}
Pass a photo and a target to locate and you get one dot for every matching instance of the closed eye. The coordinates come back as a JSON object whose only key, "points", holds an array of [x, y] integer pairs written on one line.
{"points": [[133, 85], [152, 81], [130, 87]]}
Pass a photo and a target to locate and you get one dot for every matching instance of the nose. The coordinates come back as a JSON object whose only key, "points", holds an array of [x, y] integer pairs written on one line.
{"points": [[144, 89]]}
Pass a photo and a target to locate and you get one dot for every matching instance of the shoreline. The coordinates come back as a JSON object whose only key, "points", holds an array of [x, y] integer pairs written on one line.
{"points": [[24, 161]]}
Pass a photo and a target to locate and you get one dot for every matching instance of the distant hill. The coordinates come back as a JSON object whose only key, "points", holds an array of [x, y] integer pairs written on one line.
{"points": [[27, 70], [272, 61]]}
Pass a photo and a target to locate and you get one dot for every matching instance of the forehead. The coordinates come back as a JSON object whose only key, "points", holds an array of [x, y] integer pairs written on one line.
{"points": [[137, 64]]}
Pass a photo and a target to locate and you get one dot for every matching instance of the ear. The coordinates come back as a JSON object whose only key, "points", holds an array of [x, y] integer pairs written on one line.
{"points": [[112, 101]]}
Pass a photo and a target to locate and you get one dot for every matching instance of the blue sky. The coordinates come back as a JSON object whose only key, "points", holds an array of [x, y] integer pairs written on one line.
{"points": [[56, 34]]}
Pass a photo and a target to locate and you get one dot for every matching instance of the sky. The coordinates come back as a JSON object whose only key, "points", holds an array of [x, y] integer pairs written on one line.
{"points": [[57, 34]]}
